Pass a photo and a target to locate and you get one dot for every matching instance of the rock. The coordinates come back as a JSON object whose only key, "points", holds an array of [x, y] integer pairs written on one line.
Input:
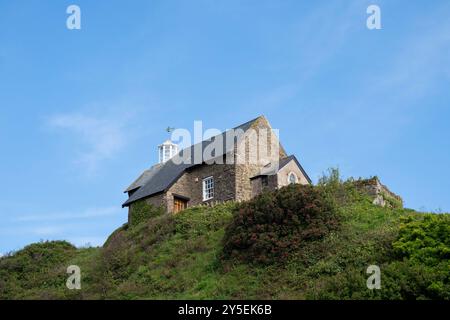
{"points": [[381, 194]]}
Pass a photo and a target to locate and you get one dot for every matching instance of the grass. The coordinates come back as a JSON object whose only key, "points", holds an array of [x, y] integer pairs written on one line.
{"points": [[179, 257]]}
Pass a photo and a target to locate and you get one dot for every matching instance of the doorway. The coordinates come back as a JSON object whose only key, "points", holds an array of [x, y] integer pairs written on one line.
{"points": [[179, 204]]}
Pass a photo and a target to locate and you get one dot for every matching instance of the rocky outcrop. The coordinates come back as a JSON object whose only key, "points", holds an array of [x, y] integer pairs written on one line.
{"points": [[381, 194]]}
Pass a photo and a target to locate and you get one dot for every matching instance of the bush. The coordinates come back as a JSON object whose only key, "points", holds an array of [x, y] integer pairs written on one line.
{"points": [[38, 256], [415, 265], [341, 192], [425, 240], [37, 268], [269, 227], [423, 244], [199, 220], [142, 211], [123, 249], [409, 280]]}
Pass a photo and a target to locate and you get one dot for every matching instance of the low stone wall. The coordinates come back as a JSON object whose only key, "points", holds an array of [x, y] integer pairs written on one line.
{"points": [[381, 194]]}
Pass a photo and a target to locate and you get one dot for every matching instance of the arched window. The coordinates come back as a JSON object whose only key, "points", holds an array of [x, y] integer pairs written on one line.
{"points": [[292, 178]]}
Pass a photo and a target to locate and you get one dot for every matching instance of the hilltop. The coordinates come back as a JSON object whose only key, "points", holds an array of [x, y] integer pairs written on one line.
{"points": [[300, 242]]}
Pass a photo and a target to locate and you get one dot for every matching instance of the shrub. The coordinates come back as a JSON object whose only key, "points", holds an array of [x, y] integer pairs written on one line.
{"points": [[123, 250], [200, 220], [38, 268], [341, 192], [333, 178], [142, 211], [415, 265], [409, 280], [39, 256], [267, 228], [423, 244], [425, 240]]}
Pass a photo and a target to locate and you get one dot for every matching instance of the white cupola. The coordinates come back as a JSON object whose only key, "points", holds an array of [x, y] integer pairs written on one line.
{"points": [[167, 150]]}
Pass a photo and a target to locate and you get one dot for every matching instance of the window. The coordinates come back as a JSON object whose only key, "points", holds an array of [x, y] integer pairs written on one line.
{"points": [[167, 150], [166, 153], [208, 188], [292, 178]]}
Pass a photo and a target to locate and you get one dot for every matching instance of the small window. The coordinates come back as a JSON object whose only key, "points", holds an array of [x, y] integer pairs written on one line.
{"points": [[166, 153], [208, 188], [292, 178]]}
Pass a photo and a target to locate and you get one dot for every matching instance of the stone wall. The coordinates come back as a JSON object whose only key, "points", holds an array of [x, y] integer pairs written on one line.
{"points": [[190, 185], [157, 200], [231, 181], [250, 160], [257, 184], [380, 194]]}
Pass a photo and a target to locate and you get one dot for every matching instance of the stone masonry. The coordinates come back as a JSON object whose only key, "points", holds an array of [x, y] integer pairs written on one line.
{"points": [[231, 181]]}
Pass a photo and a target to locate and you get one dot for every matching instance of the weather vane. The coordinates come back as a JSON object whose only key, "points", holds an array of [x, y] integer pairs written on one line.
{"points": [[169, 129]]}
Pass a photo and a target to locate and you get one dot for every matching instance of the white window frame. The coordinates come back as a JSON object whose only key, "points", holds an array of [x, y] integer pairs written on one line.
{"points": [[289, 178], [208, 188], [167, 153]]}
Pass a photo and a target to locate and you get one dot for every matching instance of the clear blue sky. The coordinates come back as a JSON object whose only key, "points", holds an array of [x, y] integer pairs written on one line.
{"points": [[82, 111]]}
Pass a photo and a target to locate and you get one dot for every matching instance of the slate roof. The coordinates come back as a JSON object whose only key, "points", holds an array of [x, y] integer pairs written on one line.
{"points": [[169, 172], [269, 170], [144, 178]]}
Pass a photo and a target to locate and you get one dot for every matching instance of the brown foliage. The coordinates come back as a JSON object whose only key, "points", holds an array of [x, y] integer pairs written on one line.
{"points": [[269, 227]]}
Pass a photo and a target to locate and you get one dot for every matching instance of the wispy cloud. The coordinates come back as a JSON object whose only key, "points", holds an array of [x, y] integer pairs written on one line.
{"points": [[322, 33], [82, 228], [47, 231], [88, 213], [34, 230], [416, 69], [413, 73], [319, 35], [101, 137]]}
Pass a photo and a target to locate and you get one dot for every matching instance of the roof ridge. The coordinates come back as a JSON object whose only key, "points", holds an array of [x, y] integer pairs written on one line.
{"points": [[225, 131], [251, 121]]}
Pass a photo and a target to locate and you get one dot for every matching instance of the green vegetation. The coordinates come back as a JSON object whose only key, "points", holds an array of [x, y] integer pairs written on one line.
{"points": [[143, 211], [275, 224], [319, 250], [39, 271]]}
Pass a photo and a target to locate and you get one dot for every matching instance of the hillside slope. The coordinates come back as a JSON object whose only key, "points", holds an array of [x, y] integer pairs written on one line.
{"points": [[182, 257]]}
